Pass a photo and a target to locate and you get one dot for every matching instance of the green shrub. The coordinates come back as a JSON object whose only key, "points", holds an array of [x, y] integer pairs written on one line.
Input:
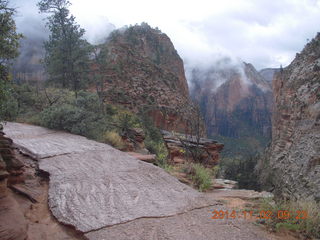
{"points": [[114, 139], [89, 101], [154, 137], [201, 177], [74, 119], [161, 155], [167, 167], [124, 120], [310, 226], [62, 117], [9, 109], [8, 104]]}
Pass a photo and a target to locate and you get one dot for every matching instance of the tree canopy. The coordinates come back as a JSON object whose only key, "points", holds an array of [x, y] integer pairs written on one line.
{"points": [[9, 38], [67, 53], [9, 43]]}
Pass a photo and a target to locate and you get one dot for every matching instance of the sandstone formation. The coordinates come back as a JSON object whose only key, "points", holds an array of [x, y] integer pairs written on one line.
{"points": [[143, 72], [236, 102], [12, 222], [133, 140], [291, 165], [178, 143], [93, 185]]}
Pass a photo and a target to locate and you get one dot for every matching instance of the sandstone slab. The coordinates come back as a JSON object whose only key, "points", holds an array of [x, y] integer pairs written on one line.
{"points": [[93, 185]]}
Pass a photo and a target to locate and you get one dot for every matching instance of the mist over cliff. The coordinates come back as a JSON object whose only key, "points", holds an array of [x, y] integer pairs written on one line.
{"points": [[235, 100]]}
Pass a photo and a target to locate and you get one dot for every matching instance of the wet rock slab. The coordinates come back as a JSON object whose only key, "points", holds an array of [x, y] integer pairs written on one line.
{"points": [[93, 185]]}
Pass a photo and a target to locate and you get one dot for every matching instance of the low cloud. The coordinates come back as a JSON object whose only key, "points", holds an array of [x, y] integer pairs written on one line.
{"points": [[213, 75], [265, 33]]}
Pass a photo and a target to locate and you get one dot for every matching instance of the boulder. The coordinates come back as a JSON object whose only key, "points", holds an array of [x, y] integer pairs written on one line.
{"points": [[177, 143], [224, 184]]}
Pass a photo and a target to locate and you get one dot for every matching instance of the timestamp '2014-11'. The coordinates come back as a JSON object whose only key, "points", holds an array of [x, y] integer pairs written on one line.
{"points": [[281, 214]]}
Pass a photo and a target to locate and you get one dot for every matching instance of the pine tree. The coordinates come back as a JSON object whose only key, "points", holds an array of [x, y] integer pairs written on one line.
{"points": [[9, 43], [67, 53]]}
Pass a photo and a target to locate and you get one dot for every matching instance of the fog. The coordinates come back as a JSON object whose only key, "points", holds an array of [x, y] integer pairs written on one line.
{"points": [[264, 33]]}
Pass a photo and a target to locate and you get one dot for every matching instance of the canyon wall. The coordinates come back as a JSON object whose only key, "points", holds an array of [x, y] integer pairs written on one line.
{"points": [[291, 165], [236, 102], [144, 71]]}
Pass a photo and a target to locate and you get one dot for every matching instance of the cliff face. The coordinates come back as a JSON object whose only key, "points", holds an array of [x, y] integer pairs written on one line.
{"points": [[235, 100], [12, 222], [293, 159], [144, 70]]}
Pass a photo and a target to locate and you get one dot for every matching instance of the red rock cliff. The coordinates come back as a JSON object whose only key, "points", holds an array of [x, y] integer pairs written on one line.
{"points": [[143, 70], [235, 100]]}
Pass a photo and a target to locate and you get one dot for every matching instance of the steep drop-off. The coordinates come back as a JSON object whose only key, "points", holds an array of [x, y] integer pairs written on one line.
{"points": [[236, 102], [291, 165]]}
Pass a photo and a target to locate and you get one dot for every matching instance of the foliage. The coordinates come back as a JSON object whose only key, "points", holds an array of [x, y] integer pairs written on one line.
{"points": [[79, 116], [9, 38], [154, 141], [309, 226], [9, 110], [124, 120], [241, 170], [161, 155], [85, 115], [153, 134], [67, 53], [8, 104], [9, 43], [63, 117], [114, 139], [167, 167], [31, 100], [202, 177]]}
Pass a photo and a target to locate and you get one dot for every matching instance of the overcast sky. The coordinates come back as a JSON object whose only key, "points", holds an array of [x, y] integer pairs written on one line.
{"points": [[263, 32]]}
